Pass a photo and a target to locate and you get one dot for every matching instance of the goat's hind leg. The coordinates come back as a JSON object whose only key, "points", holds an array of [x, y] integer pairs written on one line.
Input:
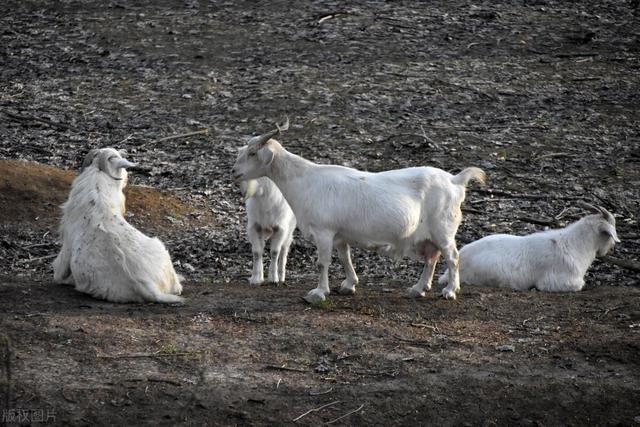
{"points": [[282, 261], [277, 241], [348, 286], [431, 254], [452, 258]]}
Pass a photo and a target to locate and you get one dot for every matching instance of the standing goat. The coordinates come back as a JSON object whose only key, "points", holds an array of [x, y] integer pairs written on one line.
{"points": [[102, 254], [553, 260], [411, 212], [268, 216]]}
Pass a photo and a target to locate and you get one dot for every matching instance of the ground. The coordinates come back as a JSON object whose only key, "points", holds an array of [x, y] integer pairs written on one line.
{"points": [[541, 94]]}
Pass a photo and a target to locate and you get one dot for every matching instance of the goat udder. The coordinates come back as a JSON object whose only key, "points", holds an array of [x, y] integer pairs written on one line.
{"points": [[428, 250]]}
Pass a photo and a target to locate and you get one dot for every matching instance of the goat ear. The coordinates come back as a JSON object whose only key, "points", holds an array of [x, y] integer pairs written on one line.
{"points": [[608, 229], [88, 159], [266, 155]]}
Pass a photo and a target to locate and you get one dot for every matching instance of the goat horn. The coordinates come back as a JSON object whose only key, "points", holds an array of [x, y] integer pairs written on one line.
{"points": [[599, 209], [262, 139], [608, 215], [589, 206]]}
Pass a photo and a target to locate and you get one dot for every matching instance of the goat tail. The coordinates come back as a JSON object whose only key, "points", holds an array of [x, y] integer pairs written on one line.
{"points": [[463, 178], [150, 293]]}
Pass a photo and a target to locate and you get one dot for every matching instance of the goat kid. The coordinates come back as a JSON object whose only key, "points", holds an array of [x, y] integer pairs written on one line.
{"points": [[553, 260], [268, 217], [411, 212], [102, 254]]}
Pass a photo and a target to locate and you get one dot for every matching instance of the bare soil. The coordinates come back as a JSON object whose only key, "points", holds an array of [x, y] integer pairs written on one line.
{"points": [[541, 94]]}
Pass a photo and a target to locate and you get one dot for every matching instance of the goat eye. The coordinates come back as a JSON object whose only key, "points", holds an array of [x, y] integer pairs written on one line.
{"points": [[111, 158]]}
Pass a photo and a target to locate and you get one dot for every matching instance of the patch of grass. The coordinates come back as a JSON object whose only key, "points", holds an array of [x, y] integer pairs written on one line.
{"points": [[327, 304], [169, 348]]}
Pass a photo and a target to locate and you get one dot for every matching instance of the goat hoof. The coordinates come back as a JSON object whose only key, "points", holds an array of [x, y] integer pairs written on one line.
{"points": [[347, 289], [412, 293], [256, 281], [449, 294], [315, 296]]}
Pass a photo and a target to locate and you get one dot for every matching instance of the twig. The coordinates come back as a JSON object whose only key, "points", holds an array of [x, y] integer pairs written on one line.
{"points": [[346, 415], [284, 368], [315, 410], [126, 139], [505, 194], [576, 54], [51, 123], [40, 258], [330, 15], [183, 135], [139, 355], [424, 325], [412, 341], [537, 220], [625, 263], [320, 393]]}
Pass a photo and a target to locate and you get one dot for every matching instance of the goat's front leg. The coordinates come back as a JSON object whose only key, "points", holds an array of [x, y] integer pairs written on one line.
{"points": [[324, 243], [348, 286], [257, 250], [62, 266]]}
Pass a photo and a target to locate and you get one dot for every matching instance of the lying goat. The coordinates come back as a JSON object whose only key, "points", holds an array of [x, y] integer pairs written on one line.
{"points": [[268, 216], [102, 254], [553, 260], [408, 212]]}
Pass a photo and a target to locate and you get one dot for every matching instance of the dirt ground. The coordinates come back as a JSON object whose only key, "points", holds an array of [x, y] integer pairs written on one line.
{"points": [[541, 94]]}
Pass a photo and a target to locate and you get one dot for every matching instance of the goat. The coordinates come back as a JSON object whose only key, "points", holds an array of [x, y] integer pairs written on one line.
{"points": [[411, 212], [552, 260], [268, 216], [102, 254]]}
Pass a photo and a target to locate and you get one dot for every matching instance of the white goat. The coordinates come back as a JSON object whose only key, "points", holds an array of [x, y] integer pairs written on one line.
{"points": [[268, 216], [408, 212], [102, 254], [553, 260]]}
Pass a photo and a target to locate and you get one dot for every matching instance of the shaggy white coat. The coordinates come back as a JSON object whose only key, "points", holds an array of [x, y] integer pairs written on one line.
{"points": [[268, 217], [412, 212], [102, 254], [553, 260]]}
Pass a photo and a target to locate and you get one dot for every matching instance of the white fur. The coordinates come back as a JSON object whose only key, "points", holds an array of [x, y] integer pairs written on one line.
{"points": [[553, 260], [268, 217], [102, 254], [411, 212]]}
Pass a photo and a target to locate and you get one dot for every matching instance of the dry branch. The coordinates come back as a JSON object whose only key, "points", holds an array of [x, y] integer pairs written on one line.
{"points": [[346, 415], [23, 118], [284, 368], [315, 410], [183, 135]]}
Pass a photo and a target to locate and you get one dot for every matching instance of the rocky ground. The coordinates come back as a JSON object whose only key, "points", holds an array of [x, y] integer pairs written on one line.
{"points": [[541, 94]]}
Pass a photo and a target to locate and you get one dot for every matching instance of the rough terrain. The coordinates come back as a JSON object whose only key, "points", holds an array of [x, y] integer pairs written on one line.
{"points": [[541, 94]]}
